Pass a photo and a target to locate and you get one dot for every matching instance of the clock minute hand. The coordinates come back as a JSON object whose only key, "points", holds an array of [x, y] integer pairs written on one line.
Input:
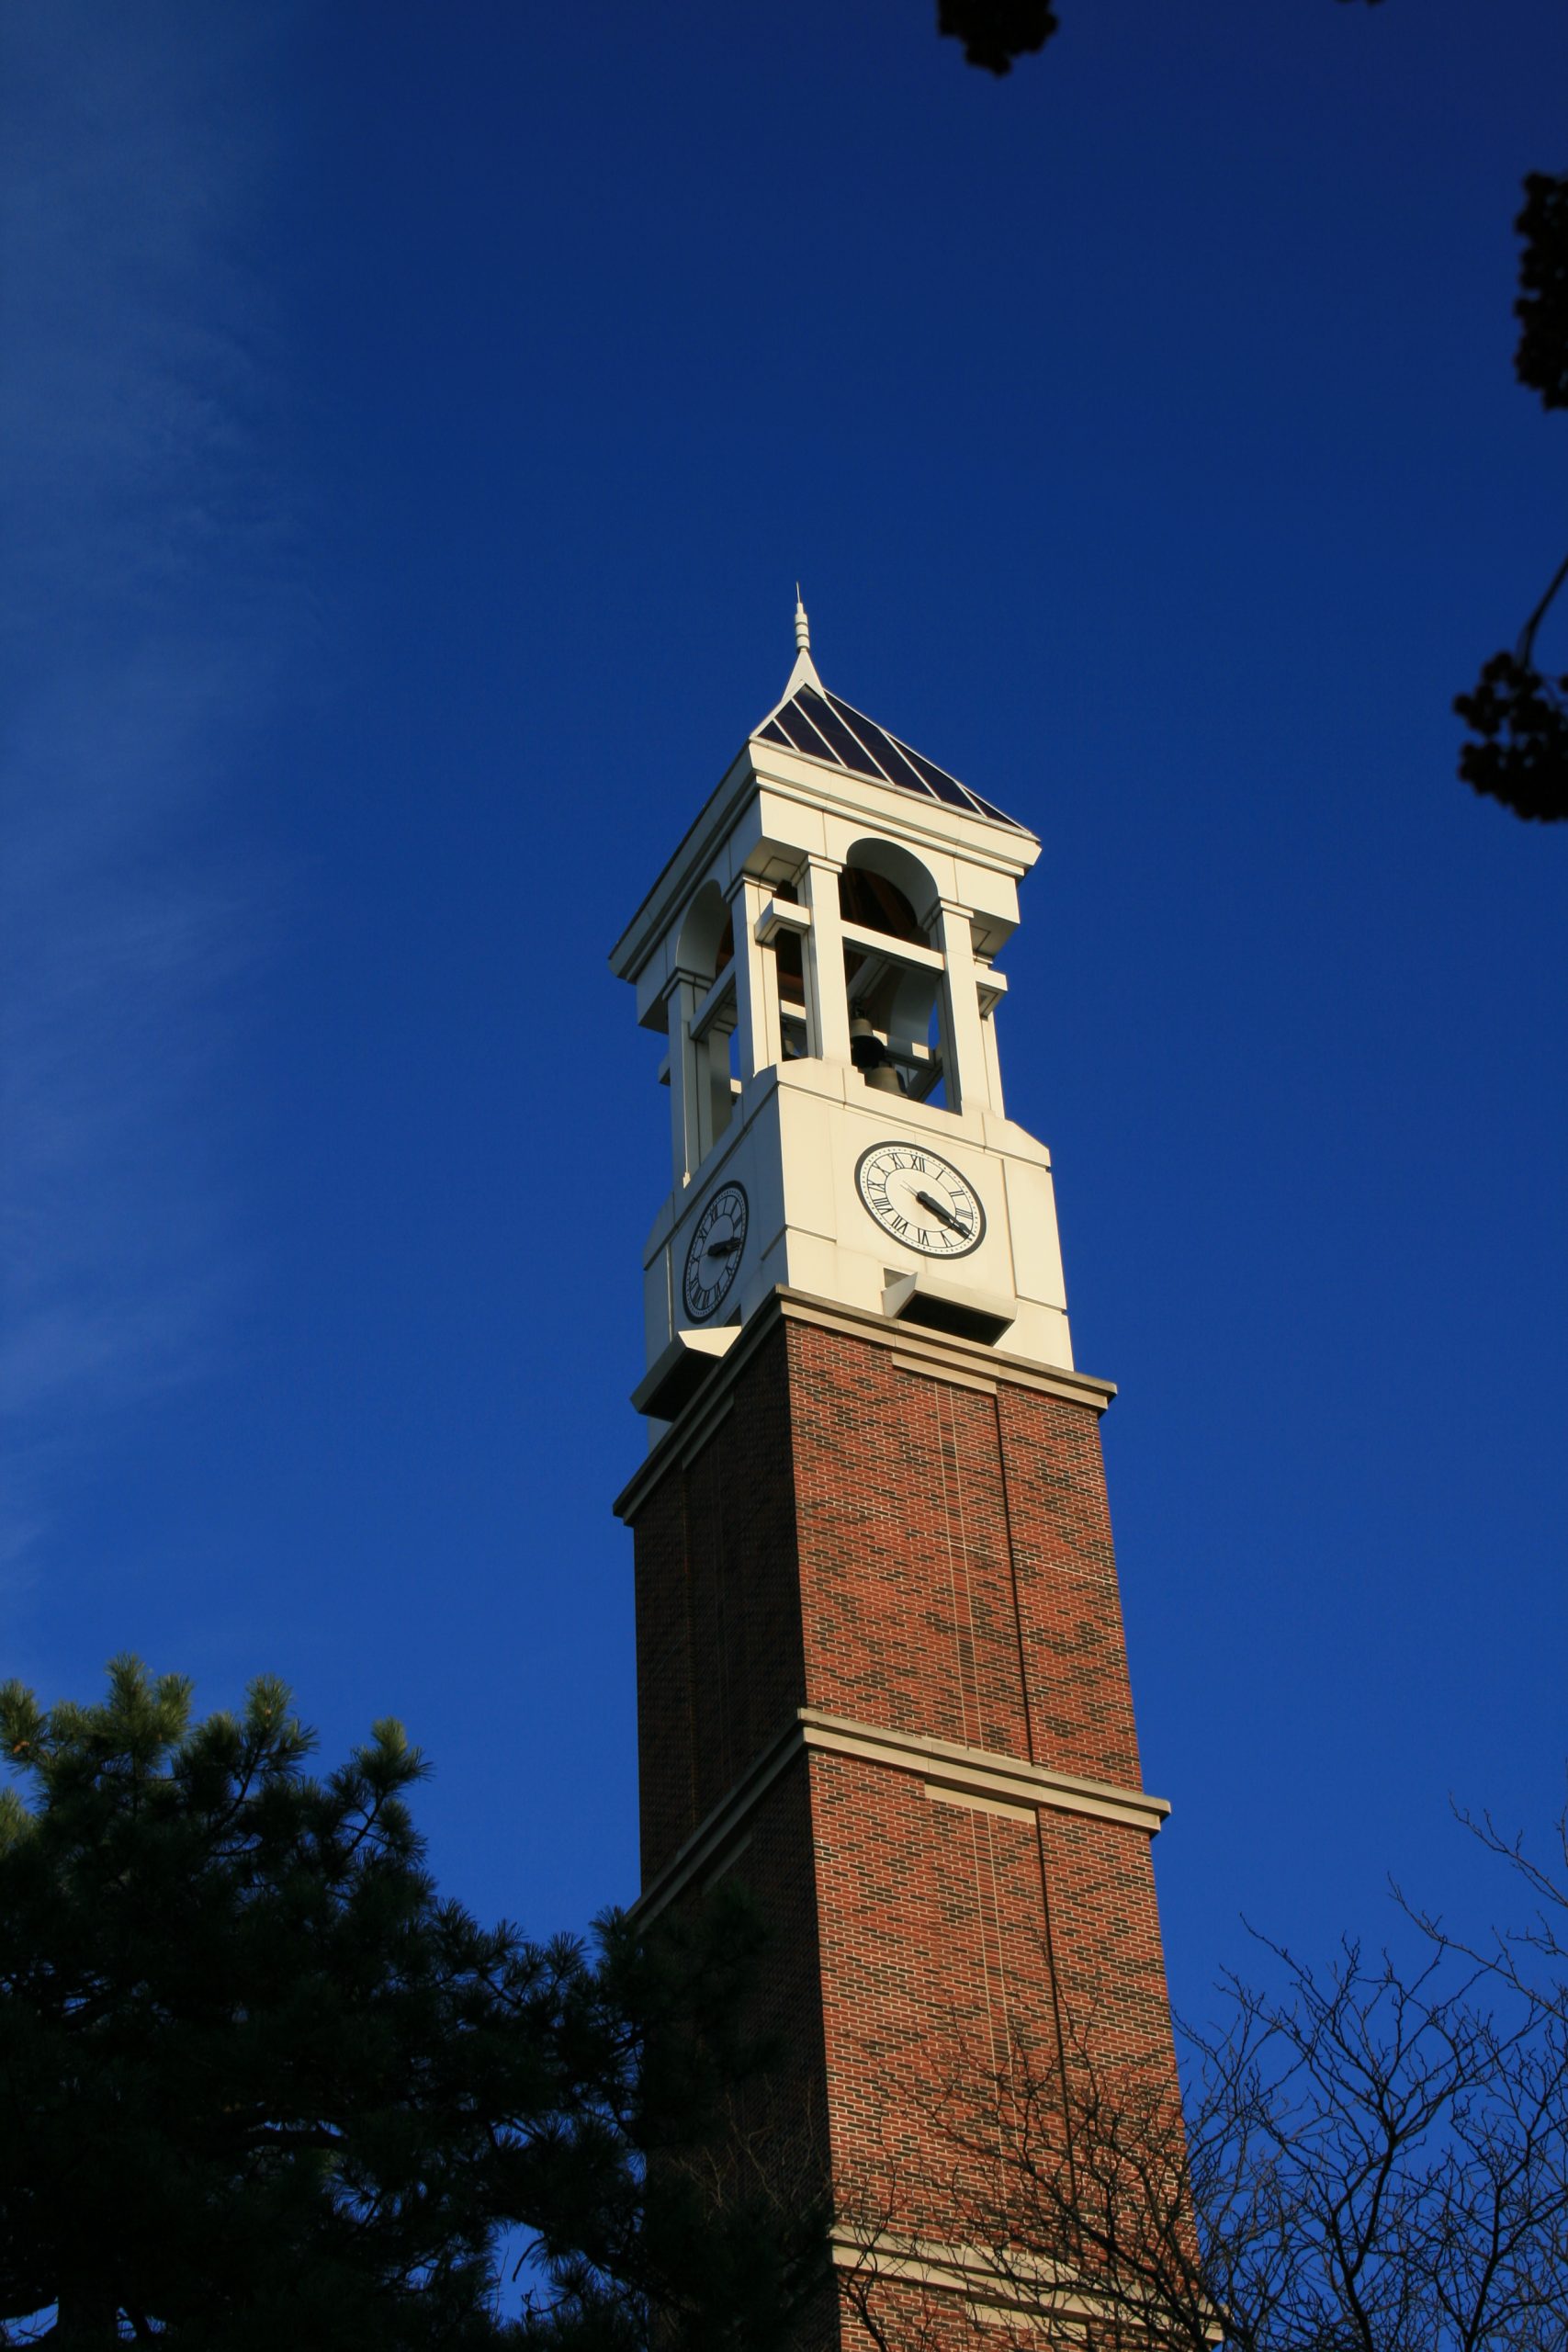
{"points": [[930, 1201]]}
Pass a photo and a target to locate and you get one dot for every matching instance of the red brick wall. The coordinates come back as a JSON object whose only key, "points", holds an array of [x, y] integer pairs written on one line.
{"points": [[921, 1555], [719, 1667], [956, 1563]]}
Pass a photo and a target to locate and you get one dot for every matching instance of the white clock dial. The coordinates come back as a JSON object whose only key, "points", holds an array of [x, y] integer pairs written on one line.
{"points": [[920, 1199], [712, 1260]]}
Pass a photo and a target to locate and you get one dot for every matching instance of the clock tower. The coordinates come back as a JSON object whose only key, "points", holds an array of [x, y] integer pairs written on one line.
{"points": [[880, 1663]]}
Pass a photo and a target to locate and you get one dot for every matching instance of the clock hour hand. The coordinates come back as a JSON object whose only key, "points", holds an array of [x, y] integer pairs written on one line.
{"points": [[723, 1249], [930, 1201]]}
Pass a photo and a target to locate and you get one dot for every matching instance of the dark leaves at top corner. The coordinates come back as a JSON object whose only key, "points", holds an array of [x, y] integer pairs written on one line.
{"points": [[994, 32], [1520, 758], [1540, 361]]}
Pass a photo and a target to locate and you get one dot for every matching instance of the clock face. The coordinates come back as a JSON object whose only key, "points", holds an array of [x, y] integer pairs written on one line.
{"points": [[712, 1260], [920, 1199]]}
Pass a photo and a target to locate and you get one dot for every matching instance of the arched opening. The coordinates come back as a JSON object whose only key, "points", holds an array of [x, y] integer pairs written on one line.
{"points": [[877, 904], [707, 935], [894, 1001], [881, 873]]}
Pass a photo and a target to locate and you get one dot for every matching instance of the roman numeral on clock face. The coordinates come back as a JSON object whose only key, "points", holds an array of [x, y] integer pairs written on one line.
{"points": [[715, 1253], [921, 1200]]}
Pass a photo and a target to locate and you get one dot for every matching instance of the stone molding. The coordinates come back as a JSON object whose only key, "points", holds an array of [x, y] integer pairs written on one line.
{"points": [[979, 1775], [1017, 2286], [982, 1771], [939, 1355], [1002, 2288]]}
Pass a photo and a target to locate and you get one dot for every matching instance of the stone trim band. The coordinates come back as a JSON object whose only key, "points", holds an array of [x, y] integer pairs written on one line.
{"points": [[945, 1767], [1002, 2286], [1014, 2286]]}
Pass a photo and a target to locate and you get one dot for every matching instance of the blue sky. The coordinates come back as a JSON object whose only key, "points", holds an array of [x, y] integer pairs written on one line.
{"points": [[416, 420]]}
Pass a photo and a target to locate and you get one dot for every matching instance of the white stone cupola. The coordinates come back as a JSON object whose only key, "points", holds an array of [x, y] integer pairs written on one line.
{"points": [[821, 952]]}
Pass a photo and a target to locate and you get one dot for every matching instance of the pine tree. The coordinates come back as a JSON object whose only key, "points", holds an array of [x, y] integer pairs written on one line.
{"points": [[262, 2085]]}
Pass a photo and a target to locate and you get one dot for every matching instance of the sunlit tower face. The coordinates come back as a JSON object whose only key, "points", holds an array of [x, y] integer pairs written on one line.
{"points": [[820, 953]]}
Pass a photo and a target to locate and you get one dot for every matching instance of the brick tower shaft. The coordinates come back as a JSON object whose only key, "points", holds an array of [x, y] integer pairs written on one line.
{"points": [[882, 1680]]}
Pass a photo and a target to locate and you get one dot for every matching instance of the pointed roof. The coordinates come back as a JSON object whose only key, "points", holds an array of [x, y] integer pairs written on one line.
{"points": [[811, 719]]}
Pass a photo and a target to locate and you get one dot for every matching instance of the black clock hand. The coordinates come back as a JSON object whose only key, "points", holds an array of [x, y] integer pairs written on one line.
{"points": [[723, 1249], [930, 1201]]}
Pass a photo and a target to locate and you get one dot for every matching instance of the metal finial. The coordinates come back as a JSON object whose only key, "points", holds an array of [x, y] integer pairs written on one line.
{"points": [[802, 625]]}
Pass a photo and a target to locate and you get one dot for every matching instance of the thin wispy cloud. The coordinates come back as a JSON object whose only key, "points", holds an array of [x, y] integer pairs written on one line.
{"points": [[144, 614]]}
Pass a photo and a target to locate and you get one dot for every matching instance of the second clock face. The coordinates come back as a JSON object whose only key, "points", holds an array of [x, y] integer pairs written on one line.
{"points": [[712, 1260], [920, 1199]]}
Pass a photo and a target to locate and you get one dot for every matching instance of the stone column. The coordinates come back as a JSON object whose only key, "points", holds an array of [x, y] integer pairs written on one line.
{"points": [[993, 1061], [827, 1003], [964, 1044], [756, 981], [682, 998]]}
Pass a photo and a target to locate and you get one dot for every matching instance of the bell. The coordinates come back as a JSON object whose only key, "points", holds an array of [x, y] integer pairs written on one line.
{"points": [[872, 1058]]}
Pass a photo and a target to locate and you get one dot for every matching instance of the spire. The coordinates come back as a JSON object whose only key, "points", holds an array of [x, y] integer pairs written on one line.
{"points": [[804, 671]]}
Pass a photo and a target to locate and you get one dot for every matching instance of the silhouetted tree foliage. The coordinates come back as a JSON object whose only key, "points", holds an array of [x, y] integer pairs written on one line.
{"points": [[1542, 359], [668, 2219], [263, 2087], [1519, 717], [1517, 712], [996, 31]]}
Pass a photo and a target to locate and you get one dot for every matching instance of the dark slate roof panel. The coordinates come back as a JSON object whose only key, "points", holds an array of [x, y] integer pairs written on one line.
{"points": [[847, 749], [800, 730], [883, 749], [826, 728], [945, 786], [989, 808]]}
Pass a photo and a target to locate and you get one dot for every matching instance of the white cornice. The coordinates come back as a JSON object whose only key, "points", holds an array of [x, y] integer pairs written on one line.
{"points": [[817, 785]]}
